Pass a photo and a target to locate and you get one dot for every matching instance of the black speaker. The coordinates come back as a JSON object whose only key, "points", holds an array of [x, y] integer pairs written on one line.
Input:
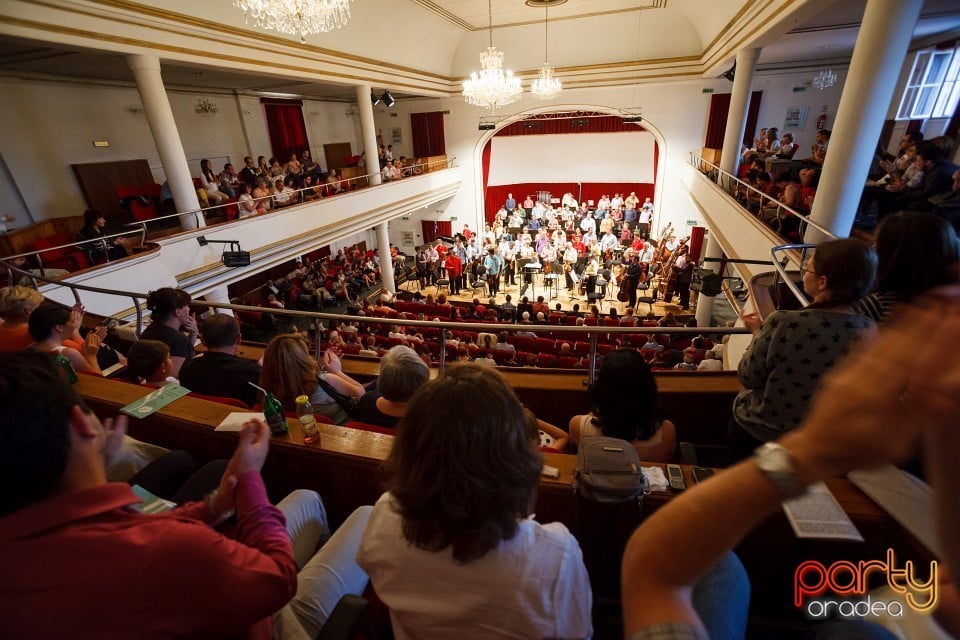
{"points": [[236, 258], [705, 281], [732, 73]]}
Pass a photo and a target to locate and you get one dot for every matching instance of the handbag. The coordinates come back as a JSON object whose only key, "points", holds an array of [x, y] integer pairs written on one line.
{"points": [[347, 403], [608, 471]]}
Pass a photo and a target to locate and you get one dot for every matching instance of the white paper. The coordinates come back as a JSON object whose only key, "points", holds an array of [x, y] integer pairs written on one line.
{"points": [[906, 498], [656, 478], [235, 420], [817, 514]]}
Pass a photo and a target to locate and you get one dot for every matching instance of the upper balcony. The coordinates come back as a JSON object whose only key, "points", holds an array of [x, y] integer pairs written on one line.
{"points": [[178, 260]]}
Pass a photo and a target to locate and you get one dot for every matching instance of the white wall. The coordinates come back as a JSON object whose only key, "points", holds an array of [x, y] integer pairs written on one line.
{"points": [[779, 95], [48, 125]]}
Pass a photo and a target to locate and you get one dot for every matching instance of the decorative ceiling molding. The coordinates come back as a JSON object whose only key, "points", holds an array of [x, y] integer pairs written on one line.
{"points": [[451, 17]]}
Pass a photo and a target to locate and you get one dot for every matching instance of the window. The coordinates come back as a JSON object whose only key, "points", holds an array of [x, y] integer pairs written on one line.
{"points": [[933, 89]]}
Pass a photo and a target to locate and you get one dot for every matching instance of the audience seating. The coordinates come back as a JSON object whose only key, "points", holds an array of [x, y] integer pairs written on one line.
{"points": [[69, 258], [136, 201]]}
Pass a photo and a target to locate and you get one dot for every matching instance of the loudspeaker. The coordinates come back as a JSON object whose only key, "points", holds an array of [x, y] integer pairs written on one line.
{"points": [[732, 73], [236, 258], [705, 281]]}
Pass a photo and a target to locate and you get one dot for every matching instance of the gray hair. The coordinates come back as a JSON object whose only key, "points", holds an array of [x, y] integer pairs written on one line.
{"points": [[402, 372]]}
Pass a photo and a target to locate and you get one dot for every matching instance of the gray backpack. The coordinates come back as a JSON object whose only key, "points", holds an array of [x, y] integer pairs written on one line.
{"points": [[608, 471]]}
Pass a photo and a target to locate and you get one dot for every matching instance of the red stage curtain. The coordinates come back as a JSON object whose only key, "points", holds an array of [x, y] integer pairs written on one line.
{"points": [[570, 124], [696, 242], [288, 132], [433, 228], [717, 119], [428, 137]]}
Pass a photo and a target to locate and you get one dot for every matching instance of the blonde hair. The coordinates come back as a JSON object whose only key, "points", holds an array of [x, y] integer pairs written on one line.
{"points": [[288, 368], [15, 300]]}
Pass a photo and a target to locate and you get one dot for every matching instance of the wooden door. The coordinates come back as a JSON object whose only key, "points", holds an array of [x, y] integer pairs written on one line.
{"points": [[336, 155]]}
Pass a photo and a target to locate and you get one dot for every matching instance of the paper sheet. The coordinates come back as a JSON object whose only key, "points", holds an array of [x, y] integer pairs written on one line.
{"points": [[817, 514], [235, 420]]}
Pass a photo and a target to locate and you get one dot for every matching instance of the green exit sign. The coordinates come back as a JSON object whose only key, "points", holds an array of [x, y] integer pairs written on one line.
{"points": [[453, 218], [706, 90], [693, 223]]}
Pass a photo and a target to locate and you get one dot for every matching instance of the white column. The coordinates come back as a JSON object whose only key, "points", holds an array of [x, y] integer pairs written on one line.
{"points": [[386, 262], [146, 72], [365, 105], [874, 69], [220, 295], [705, 303], [739, 105]]}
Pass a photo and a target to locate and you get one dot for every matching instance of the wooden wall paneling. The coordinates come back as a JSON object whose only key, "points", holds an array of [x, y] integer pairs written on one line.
{"points": [[98, 182], [336, 154]]}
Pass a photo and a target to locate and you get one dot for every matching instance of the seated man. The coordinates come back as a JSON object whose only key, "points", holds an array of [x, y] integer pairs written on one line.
{"points": [[163, 575], [219, 371]]}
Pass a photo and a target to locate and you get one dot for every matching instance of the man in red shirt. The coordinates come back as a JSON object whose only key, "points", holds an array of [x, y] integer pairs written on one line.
{"points": [[454, 268], [77, 558]]}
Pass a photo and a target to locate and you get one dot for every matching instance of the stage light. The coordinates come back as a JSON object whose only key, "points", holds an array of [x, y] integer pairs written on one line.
{"points": [[387, 99], [374, 99]]}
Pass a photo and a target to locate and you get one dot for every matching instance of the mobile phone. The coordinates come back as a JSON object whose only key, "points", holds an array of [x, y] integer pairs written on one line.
{"points": [[702, 473], [675, 475], [110, 323]]}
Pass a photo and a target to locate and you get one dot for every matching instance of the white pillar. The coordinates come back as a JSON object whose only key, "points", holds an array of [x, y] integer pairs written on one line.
{"points": [[386, 262], [219, 294], [739, 105], [705, 303], [874, 69], [146, 72], [365, 106]]}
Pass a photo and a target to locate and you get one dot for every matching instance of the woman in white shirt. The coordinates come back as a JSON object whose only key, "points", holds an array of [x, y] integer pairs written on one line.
{"points": [[246, 203], [210, 183], [451, 549]]}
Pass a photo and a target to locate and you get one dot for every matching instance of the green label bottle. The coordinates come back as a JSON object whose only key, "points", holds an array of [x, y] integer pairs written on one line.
{"points": [[68, 369], [273, 412]]}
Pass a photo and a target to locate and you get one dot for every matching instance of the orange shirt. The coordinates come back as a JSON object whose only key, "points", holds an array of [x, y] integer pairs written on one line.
{"points": [[15, 338]]}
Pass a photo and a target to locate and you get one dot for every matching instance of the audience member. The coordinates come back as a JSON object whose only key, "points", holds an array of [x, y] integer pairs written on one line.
{"points": [[95, 246], [16, 305], [210, 183], [148, 362], [172, 323], [218, 371], [289, 371], [164, 575], [790, 350], [467, 441], [50, 324], [624, 404], [402, 372]]}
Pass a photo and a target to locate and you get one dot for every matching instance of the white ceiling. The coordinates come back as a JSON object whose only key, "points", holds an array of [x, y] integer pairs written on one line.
{"points": [[444, 37]]}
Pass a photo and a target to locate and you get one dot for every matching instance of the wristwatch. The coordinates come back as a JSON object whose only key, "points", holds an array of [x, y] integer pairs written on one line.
{"points": [[776, 464]]}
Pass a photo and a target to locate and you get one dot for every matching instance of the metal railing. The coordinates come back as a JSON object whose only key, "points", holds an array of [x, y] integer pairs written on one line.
{"points": [[316, 318], [782, 255]]}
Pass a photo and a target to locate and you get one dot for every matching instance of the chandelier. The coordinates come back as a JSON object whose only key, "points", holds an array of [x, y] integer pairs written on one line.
{"points": [[492, 88], [206, 107], [546, 87], [296, 17], [825, 79]]}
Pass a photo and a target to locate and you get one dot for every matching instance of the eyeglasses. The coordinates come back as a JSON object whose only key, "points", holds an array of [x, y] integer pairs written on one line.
{"points": [[805, 268]]}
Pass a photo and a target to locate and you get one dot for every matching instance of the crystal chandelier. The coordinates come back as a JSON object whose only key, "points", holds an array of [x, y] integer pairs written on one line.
{"points": [[546, 87], [492, 88], [296, 17], [825, 79]]}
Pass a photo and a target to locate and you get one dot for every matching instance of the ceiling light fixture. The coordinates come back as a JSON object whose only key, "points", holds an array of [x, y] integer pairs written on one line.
{"points": [[296, 17], [387, 99], [546, 87], [374, 98], [492, 88], [825, 79]]}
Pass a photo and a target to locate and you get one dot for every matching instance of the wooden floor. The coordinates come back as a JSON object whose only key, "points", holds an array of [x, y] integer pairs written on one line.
{"points": [[566, 299]]}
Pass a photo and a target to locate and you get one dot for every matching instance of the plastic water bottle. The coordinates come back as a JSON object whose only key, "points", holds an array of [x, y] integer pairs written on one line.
{"points": [[308, 423]]}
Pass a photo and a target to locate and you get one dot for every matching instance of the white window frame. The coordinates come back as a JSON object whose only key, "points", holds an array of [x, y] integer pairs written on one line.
{"points": [[933, 90]]}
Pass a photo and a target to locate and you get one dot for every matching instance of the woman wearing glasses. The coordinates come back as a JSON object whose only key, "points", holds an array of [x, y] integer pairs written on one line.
{"points": [[792, 349]]}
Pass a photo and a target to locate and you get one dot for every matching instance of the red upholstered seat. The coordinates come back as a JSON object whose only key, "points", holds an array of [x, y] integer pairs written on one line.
{"points": [[567, 362], [544, 345], [546, 361], [69, 258]]}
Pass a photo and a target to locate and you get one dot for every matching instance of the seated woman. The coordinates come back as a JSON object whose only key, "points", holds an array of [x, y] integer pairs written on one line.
{"points": [[916, 252], [16, 305], [402, 372], [211, 183], [262, 195], [289, 371], [98, 249], [451, 549], [50, 323], [787, 147], [790, 350], [172, 324], [623, 404], [246, 203]]}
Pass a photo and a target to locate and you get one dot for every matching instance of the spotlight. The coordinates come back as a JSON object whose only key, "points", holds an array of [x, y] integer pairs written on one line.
{"points": [[387, 98], [233, 258], [485, 126], [374, 98], [729, 75], [633, 119]]}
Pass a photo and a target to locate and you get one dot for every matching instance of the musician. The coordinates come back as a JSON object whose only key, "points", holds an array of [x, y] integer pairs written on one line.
{"points": [[644, 219], [528, 205], [570, 257], [631, 279], [493, 265], [588, 224], [433, 259], [543, 239], [606, 224], [508, 252], [646, 253], [548, 255], [568, 201], [454, 267], [672, 243], [630, 216], [515, 224], [609, 242], [683, 268], [590, 239], [510, 205]]}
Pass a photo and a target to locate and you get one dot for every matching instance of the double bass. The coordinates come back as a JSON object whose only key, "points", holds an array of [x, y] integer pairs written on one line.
{"points": [[668, 283]]}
